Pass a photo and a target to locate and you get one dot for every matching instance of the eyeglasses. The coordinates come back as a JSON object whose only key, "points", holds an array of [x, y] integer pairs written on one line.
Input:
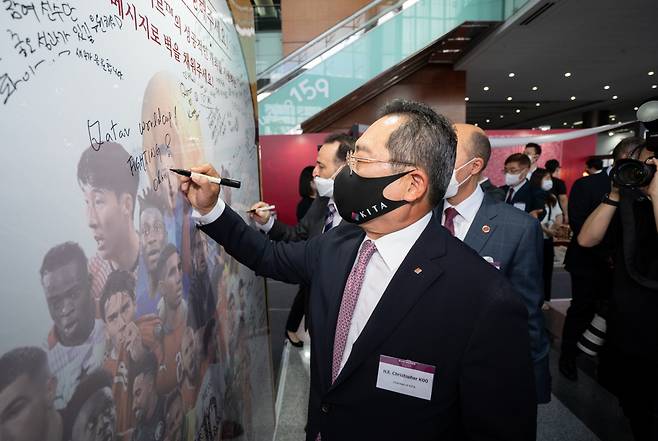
{"points": [[353, 160]]}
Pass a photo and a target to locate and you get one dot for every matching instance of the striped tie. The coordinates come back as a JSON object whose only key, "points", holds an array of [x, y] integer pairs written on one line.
{"points": [[329, 218]]}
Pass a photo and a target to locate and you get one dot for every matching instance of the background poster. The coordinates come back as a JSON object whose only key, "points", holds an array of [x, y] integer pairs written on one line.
{"points": [[120, 321]]}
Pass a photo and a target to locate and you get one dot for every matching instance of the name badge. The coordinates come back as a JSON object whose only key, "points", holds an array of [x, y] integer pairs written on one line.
{"points": [[520, 205], [405, 377]]}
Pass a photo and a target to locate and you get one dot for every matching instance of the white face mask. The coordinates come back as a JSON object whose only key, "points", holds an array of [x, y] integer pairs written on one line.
{"points": [[325, 186], [453, 186], [547, 185], [512, 179]]}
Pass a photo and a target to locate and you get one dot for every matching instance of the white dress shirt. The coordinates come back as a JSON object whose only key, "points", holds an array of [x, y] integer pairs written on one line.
{"points": [[467, 210], [384, 263], [391, 251], [267, 226]]}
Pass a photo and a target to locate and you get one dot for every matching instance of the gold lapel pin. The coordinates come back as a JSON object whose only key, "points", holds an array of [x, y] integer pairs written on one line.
{"points": [[486, 229], [418, 270]]}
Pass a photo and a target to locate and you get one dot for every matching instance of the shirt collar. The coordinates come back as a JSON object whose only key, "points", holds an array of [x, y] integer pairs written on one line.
{"points": [[469, 207], [518, 186], [394, 247]]}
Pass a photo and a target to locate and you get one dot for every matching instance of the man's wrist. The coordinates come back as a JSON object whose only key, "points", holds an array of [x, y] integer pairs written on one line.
{"points": [[610, 201], [204, 219]]}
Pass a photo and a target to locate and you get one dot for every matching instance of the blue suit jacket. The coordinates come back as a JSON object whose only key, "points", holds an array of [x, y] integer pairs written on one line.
{"points": [[474, 333], [515, 243]]}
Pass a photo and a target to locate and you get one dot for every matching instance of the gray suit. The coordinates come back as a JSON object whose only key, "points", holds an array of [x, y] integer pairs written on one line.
{"points": [[514, 241]]}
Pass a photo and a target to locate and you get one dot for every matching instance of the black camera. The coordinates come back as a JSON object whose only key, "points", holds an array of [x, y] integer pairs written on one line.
{"points": [[632, 173]]}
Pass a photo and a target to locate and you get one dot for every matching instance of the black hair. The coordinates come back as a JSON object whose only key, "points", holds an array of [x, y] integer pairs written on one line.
{"points": [[425, 139], [552, 165], [107, 168], [87, 387], [167, 251], [480, 147], [117, 281], [147, 365], [305, 179], [595, 163], [535, 146], [535, 182], [61, 255], [27, 360], [345, 145], [626, 146], [520, 158], [151, 199]]}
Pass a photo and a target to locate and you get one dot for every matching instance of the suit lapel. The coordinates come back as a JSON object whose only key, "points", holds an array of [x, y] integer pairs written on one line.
{"points": [[476, 238], [402, 293]]}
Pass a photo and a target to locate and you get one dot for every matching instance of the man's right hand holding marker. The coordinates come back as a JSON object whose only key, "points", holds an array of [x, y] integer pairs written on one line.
{"points": [[201, 193]]}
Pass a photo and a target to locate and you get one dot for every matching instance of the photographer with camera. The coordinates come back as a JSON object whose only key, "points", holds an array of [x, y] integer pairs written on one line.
{"points": [[626, 222]]}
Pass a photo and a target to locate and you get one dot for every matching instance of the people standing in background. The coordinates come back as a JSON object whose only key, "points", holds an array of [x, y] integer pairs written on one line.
{"points": [[27, 392], [589, 268], [307, 191], [507, 238], [550, 223], [321, 216], [76, 342], [533, 152], [110, 198], [593, 166], [517, 188], [559, 187]]}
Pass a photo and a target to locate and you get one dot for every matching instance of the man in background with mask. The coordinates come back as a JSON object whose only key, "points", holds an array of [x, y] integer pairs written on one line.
{"points": [[404, 345], [518, 191], [321, 216], [507, 238]]}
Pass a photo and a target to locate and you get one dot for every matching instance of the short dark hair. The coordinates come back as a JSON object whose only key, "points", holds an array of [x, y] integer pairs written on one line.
{"points": [[520, 158], [61, 255], [552, 165], [28, 360], [626, 146], [167, 251], [151, 199], [88, 386], [147, 365], [535, 146], [305, 179], [535, 182], [425, 139], [107, 168], [345, 145], [480, 147], [117, 281], [595, 163]]}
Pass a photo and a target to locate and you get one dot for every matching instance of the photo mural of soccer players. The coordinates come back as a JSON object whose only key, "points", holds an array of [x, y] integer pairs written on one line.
{"points": [[110, 197], [128, 340], [76, 342], [148, 405], [174, 417], [91, 413], [27, 392], [202, 298]]}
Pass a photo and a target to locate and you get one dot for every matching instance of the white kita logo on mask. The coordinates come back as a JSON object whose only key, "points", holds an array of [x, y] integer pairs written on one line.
{"points": [[512, 179], [453, 186], [547, 185]]}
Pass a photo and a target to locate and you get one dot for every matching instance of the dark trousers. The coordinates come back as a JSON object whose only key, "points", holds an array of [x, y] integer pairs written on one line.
{"points": [[549, 256], [585, 291], [297, 310]]}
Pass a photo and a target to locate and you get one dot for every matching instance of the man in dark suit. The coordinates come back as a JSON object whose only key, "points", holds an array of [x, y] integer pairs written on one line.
{"points": [[507, 238], [589, 268], [495, 192], [320, 217], [518, 191], [404, 344]]}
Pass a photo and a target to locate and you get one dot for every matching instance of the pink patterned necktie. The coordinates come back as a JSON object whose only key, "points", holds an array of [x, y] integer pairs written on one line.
{"points": [[348, 303]]}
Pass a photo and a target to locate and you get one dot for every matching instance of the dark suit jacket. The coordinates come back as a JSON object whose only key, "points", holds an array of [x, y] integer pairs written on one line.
{"points": [[586, 194], [533, 199], [493, 191], [515, 243], [309, 226], [457, 314]]}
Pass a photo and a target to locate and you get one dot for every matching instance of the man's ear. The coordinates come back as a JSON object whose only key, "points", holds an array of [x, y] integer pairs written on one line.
{"points": [[126, 203], [417, 185], [478, 166]]}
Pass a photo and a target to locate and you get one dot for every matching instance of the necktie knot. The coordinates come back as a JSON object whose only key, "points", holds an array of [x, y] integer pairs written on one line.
{"points": [[451, 213]]}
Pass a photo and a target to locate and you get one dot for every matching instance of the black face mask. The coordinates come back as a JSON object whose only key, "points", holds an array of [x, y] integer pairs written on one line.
{"points": [[360, 199]]}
